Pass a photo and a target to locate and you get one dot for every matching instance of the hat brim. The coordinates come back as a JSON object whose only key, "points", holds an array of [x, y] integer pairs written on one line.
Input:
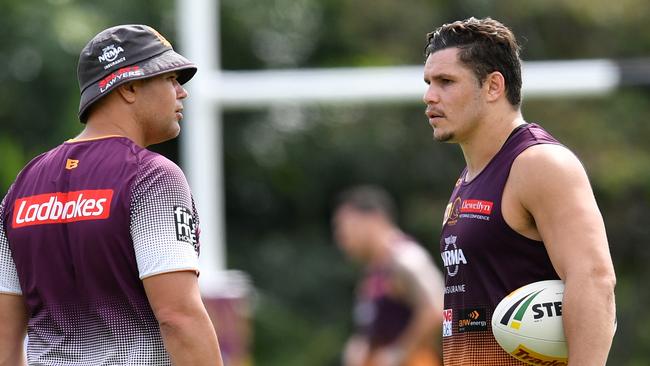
{"points": [[165, 62]]}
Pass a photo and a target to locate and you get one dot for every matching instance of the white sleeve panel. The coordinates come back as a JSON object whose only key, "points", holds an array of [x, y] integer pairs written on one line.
{"points": [[164, 222], [8, 275]]}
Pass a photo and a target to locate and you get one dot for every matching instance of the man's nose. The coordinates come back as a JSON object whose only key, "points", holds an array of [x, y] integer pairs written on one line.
{"points": [[430, 96], [181, 93]]}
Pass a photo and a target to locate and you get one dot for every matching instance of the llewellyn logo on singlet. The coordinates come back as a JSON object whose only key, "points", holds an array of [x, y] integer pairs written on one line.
{"points": [[62, 207], [476, 209], [467, 209]]}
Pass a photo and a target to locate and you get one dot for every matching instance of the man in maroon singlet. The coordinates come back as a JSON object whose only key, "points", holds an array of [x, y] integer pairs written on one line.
{"points": [[522, 210], [399, 300], [99, 237]]}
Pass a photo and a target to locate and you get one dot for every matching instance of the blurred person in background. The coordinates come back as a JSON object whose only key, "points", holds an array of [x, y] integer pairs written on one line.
{"points": [[398, 313], [99, 237], [522, 210]]}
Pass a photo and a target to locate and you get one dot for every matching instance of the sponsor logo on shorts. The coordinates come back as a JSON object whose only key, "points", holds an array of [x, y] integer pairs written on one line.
{"points": [[531, 357], [185, 226], [62, 207], [121, 74], [447, 321], [472, 319]]}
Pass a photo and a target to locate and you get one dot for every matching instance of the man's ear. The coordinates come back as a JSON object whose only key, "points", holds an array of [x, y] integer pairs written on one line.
{"points": [[495, 85], [127, 91]]}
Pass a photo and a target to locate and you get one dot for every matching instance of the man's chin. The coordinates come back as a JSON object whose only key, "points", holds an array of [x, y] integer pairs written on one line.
{"points": [[443, 137], [172, 133]]}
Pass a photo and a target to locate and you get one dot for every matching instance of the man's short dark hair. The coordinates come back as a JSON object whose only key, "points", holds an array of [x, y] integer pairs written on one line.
{"points": [[486, 46], [368, 199]]}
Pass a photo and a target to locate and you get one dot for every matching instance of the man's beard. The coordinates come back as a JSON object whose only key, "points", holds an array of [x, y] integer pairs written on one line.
{"points": [[446, 137]]}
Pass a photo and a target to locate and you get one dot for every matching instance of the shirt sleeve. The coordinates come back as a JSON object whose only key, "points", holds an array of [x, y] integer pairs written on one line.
{"points": [[8, 275], [164, 221]]}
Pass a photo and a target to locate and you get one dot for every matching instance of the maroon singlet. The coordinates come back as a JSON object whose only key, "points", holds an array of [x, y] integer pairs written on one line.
{"points": [[485, 259]]}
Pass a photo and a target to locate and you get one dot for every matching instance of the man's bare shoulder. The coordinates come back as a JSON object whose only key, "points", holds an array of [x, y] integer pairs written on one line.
{"points": [[546, 163], [547, 173]]}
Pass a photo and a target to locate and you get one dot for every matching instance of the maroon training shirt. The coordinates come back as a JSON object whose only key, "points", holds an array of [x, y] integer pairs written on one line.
{"points": [[81, 226]]}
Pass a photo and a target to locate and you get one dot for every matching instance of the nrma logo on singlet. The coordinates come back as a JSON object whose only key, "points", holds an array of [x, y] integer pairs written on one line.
{"points": [[452, 256]]}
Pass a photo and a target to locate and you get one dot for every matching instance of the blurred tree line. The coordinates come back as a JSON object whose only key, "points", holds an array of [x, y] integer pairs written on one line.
{"points": [[285, 164]]}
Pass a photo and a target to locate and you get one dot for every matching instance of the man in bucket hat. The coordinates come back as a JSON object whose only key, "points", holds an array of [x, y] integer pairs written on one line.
{"points": [[99, 237]]}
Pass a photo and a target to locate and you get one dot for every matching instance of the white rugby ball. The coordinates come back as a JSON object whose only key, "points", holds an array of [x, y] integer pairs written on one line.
{"points": [[528, 324]]}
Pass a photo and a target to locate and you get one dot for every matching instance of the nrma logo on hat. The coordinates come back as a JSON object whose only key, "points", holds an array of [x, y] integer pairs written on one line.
{"points": [[110, 54], [519, 315]]}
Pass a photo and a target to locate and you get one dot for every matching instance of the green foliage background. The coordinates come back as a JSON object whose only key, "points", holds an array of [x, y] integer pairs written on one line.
{"points": [[284, 164]]}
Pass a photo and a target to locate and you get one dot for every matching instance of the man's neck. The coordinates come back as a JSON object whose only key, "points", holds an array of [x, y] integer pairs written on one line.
{"points": [[486, 141], [100, 126]]}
